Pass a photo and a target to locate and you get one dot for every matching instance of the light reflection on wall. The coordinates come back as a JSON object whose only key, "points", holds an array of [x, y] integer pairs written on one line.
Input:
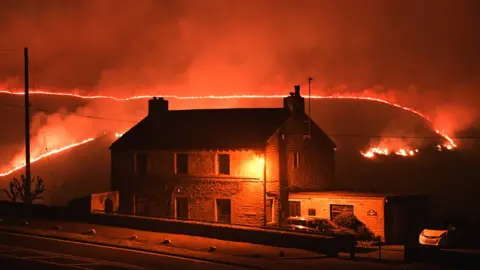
{"points": [[255, 166]]}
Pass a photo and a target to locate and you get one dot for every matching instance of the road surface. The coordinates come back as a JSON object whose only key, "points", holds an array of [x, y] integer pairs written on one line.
{"points": [[30, 252]]}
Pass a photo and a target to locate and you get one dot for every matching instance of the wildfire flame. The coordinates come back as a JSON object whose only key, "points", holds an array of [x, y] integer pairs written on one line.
{"points": [[370, 153], [47, 154]]}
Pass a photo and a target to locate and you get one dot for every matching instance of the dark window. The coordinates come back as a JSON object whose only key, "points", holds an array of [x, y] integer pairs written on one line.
{"points": [[224, 210], [181, 163], [337, 209], [312, 212], [295, 209], [182, 208], [296, 159], [224, 164], [269, 210], [141, 163]]}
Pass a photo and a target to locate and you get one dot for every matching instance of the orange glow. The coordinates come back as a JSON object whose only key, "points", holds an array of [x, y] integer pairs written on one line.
{"points": [[449, 144], [20, 164], [255, 166], [370, 153], [118, 135]]}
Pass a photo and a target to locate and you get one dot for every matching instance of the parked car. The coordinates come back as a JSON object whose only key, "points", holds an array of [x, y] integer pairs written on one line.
{"points": [[316, 225], [449, 233]]}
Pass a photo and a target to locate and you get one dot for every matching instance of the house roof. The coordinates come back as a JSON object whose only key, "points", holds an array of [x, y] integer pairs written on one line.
{"points": [[204, 129]]}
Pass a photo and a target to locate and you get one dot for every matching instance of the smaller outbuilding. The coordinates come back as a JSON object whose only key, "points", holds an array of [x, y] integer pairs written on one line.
{"points": [[394, 218]]}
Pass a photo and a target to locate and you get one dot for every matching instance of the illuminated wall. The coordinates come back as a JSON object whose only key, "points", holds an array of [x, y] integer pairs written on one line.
{"points": [[244, 185]]}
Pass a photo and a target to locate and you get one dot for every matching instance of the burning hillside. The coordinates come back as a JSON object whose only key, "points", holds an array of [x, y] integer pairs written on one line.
{"points": [[74, 171], [329, 112], [214, 50], [19, 162], [383, 147]]}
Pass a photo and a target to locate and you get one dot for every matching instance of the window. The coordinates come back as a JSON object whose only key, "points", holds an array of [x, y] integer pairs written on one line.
{"points": [[337, 209], [223, 164], [181, 205], [296, 159], [224, 213], [269, 210], [181, 163], [295, 209], [141, 163], [312, 212]]}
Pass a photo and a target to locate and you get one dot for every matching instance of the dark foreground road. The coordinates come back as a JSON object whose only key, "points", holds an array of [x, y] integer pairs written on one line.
{"points": [[30, 252]]}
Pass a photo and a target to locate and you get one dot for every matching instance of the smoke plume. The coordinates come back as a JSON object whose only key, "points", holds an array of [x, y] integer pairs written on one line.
{"points": [[418, 53]]}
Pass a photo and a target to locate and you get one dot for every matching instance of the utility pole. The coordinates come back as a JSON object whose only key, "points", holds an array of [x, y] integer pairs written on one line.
{"points": [[310, 108], [265, 188], [28, 181]]}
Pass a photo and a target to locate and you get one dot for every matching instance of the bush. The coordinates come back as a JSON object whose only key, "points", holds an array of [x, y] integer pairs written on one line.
{"points": [[364, 234], [347, 220], [350, 221]]}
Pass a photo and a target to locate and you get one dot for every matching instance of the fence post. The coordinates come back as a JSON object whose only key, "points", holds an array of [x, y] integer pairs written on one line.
{"points": [[379, 239]]}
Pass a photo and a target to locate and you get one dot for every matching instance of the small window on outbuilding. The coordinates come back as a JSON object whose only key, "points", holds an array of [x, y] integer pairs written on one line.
{"points": [[312, 212]]}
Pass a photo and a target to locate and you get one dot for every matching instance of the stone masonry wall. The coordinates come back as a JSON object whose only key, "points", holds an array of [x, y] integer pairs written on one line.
{"points": [[244, 185], [246, 197]]}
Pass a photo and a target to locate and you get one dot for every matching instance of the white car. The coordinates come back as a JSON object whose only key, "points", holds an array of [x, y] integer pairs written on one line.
{"points": [[437, 238], [439, 235]]}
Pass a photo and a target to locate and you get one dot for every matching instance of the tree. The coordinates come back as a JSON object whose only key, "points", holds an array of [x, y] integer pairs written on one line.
{"points": [[23, 190]]}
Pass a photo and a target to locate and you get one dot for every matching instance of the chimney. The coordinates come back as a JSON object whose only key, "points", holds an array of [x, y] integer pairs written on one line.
{"points": [[295, 103], [157, 106], [297, 90]]}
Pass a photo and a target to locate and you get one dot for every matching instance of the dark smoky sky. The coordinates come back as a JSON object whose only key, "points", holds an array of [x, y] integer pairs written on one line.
{"points": [[225, 47]]}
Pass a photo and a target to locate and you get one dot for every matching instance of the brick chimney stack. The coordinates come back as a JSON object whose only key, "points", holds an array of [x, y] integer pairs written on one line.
{"points": [[157, 106], [295, 103]]}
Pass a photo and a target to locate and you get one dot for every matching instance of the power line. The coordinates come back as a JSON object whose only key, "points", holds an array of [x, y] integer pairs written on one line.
{"points": [[39, 109], [6, 51], [334, 135], [85, 116], [399, 137]]}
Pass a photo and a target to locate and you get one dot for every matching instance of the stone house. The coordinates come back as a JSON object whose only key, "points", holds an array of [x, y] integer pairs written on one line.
{"points": [[223, 165]]}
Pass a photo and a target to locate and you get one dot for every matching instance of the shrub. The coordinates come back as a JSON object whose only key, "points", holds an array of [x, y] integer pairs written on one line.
{"points": [[364, 234], [350, 221]]}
